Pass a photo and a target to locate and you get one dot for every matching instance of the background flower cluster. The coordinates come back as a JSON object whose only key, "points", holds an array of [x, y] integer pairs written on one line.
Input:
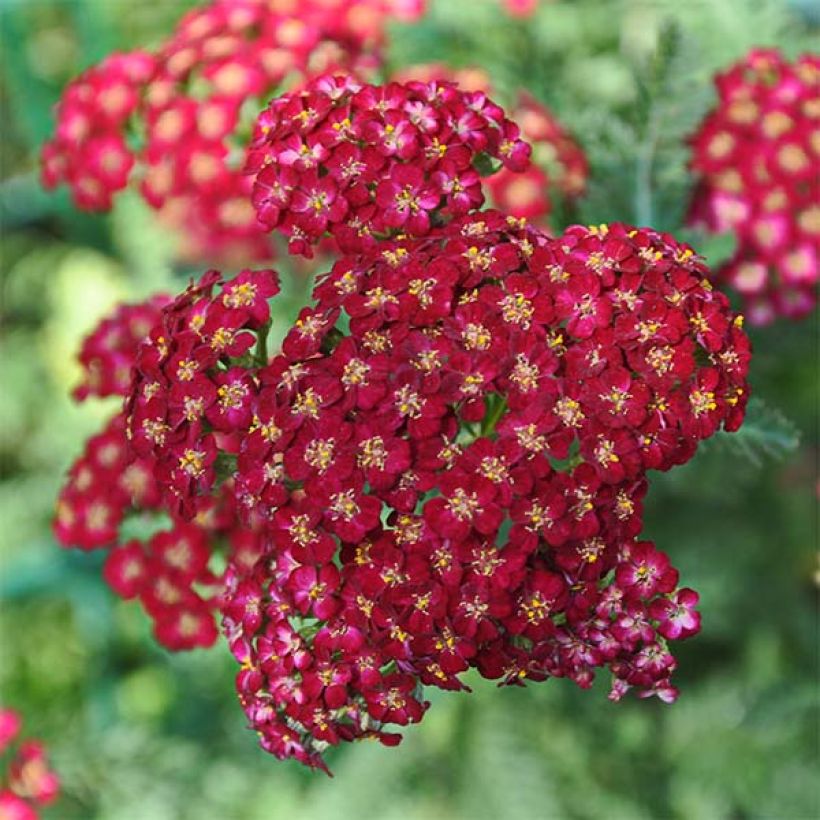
{"points": [[757, 156]]}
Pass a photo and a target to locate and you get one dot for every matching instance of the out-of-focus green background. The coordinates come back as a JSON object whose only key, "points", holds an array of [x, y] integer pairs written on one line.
{"points": [[136, 732]]}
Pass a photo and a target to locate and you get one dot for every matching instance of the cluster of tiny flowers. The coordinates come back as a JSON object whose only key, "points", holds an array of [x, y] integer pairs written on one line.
{"points": [[170, 576], [757, 155], [107, 354], [363, 162], [192, 391], [559, 162], [103, 484], [173, 120], [28, 782], [455, 482], [169, 573], [89, 150]]}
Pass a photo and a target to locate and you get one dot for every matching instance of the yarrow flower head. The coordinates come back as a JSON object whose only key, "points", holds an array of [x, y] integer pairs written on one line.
{"points": [[28, 782], [756, 156], [363, 163], [457, 480], [187, 100]]}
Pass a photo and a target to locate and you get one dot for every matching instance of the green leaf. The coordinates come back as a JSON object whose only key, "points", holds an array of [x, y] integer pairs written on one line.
{"points": [[766, 432], [485, 165]]}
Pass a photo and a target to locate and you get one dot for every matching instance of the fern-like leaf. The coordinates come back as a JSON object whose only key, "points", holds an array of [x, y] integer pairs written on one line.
{"points": [[766, 433]]}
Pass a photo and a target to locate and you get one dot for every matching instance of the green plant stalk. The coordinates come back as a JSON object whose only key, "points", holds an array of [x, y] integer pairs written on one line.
{"points": [[261, 353]]}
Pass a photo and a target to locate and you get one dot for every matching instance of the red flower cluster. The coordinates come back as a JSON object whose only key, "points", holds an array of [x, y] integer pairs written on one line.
{"points": [[102, 486], [559, 163], [28, 782], [193, 391], [89, 150], [457, 482], [363, 162], [108, 353], [757, 156], [186, 102], [169, 573]]}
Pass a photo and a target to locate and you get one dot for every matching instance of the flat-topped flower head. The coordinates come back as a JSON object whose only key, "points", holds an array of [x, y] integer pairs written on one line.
{"points": [[363, 162], [486, 374], [443, 468]]}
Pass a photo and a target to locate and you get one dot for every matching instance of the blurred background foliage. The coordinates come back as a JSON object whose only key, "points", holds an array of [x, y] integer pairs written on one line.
{"points": [[138, 733]]}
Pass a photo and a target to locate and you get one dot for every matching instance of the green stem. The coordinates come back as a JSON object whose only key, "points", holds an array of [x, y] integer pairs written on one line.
{"points": [[495, 411], [331, 340], [644, 204], [261, 353]]}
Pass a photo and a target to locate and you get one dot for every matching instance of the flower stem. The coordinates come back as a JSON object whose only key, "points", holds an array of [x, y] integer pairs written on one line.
{"points": [[261, 353], [496, 406]]}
